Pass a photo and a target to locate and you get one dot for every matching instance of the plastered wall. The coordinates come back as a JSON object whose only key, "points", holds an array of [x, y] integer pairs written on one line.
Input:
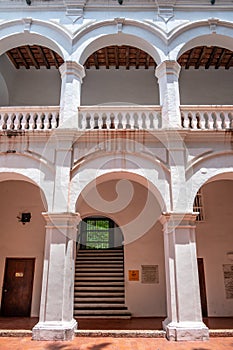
{"points": [[18, 240], [120, 86], [214, 240], [143, 245], [28, 87], [206, 86]]}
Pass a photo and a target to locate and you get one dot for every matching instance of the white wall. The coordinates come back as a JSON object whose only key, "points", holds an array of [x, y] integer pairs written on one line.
{"points": [[214, 240], [28, 87], [18, 240], [122, 86], [143, 247], [206, 86]]}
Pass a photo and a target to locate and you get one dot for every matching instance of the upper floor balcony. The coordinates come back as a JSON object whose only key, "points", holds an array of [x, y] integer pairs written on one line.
{"points": [[120, 90]]}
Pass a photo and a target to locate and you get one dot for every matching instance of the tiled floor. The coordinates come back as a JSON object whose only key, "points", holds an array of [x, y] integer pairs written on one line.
{"points": [[114, 344]]}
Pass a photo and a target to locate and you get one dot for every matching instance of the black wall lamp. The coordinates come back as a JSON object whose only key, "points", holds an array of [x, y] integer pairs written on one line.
{"points": [[212, 2], [24, 217]]}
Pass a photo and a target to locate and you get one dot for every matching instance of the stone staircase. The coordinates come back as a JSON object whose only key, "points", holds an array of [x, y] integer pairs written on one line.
{"points": [[99, 290]]}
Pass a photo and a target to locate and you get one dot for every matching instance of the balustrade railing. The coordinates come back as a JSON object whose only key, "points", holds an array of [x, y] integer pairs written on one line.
{"points": [[29, 118], [207, 117], [120, 117]]}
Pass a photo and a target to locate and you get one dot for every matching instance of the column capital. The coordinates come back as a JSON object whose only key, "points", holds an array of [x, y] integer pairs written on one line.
{"points": [[168, 67], [179, 220], [72, 68]]}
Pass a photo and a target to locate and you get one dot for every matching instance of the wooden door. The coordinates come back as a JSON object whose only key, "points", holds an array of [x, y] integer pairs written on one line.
{"points": [[17, 287], [201, 274]]}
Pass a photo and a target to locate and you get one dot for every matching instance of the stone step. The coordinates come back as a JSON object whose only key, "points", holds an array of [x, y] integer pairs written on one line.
{"points": [[99, 266], [100, 306], [101, 294], [99, 279], [102, 300], [102, 313], [99, 274]]}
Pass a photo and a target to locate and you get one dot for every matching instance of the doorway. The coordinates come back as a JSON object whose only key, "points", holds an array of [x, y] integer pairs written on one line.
{"points": [[17, 287], [201, 274]]}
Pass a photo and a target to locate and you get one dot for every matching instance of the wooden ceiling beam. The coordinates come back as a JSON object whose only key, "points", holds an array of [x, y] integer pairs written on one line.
{"points": [[106, 57], [191, 52], [147, 63], [219, 61], [202, 54], [127, 63], [95, 54], [137, 58], [43, 56], [27, 66], [30, 54], [210, 59], [117, 56], [54, 58], [228, 64]]}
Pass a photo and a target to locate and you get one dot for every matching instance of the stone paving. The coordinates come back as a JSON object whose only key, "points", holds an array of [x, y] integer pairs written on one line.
{"points": [[108, 343]]}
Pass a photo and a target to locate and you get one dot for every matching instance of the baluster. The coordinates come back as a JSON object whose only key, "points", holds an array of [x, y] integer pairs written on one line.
{"points": [[5, 119], [112, 125], [214, 121], [135, 118], [190, 119], [223, 121], [154, 120], [34, 118], [194, 121], [97, 121], [185, 120], [56, 125], [92, 121], [120, 121], [207, 122], [1, 121], [12, 119], [104, 123], [87, 120], [108, 120], [126, 121], [230, 123], [140, 121]]}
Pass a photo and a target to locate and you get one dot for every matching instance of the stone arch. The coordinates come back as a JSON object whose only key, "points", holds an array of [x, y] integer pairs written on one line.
{"points": [[29, 169], [35, 32], [210, 168], [208, 32], [129, 32], [147, 172]]}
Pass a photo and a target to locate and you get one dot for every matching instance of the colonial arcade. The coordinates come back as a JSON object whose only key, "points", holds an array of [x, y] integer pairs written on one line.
{"points": [[116, 163]]}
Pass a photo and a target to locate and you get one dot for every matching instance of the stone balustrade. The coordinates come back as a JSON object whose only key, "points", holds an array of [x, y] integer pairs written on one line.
{"points": [[29, 118], [120, 117], [207, 117]]}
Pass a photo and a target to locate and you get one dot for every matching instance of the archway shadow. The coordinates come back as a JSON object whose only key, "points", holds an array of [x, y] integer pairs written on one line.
{"points": [[59, 346]]}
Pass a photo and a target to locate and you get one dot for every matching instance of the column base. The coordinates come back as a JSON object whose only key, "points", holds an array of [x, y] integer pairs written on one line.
{"points": [[52, 330], [186, 331]]}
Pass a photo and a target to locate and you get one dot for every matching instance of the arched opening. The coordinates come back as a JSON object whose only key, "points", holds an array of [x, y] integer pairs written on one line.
{"points": [[214, 241], [29, 76], [120, 74], [206, 75], [143, 258], [21, 247]]}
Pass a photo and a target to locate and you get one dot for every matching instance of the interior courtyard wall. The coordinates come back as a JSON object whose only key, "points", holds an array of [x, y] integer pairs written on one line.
{"points": [[143, 243], [136, 86], [206, 86], [28, 87], [18, 240], [214, 241]]}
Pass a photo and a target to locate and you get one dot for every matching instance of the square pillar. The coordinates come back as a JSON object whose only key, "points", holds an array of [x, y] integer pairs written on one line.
{"points": [[184, 317], [168, 74], [56, 309], [72, 74]]}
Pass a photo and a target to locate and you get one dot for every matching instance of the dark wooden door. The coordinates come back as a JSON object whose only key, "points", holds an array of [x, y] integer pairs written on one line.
{"points": [[201, 274], [17, 287]]}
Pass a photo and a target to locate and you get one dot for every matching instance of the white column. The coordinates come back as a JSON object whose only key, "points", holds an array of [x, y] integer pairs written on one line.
{"points": [[56, 310], [72, 74], [168, 74], [184, 317]]}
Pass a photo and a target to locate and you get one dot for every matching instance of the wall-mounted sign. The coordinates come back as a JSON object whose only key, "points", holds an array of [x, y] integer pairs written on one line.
{"points": [[133, 275], [228, 280], [150, 274], [19, 274]]}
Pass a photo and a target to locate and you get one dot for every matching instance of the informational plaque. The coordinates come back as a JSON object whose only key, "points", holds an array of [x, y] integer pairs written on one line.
{"points": [[133, 275], [228, 280], [150, 274]]}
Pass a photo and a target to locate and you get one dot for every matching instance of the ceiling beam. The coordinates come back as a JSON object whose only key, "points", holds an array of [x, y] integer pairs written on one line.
{"points": [[228, 64], [211, 57], [10, 56], [54, 58], [202, 54], [27, 66], [30, 54], [219, 61], [43, 56], [117, 57]]}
